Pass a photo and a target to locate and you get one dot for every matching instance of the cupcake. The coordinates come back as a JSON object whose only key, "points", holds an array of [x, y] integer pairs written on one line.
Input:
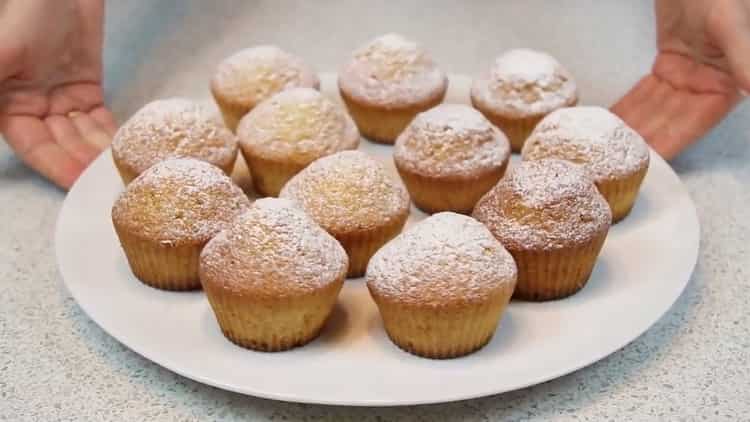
{"points": [[520, 89], [290, 130], [272, 277], [250, 76], [615, 155], [171, 128], [353, 198], [166, 216], [386, 83], [549, 215], [449, 156], [441, 286]]}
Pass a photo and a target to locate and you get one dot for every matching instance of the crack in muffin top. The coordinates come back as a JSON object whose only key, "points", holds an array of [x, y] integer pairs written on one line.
{"points": [[451, 140], [544, 205], [348, 191], [273, 250], [524, 83], [393, 72], [173, 128], [298, 125], [179, 201]]}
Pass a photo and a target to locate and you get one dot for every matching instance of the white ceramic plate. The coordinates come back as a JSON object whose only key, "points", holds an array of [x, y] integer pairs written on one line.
{"points": [[646, 263]]}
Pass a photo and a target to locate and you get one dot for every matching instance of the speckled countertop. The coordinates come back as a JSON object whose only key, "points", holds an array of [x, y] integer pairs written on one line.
{"points": [[56, 364]]}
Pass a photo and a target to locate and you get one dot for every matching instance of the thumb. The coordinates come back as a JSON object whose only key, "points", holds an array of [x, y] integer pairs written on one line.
{"points": [[729, 26], [11, 61]]}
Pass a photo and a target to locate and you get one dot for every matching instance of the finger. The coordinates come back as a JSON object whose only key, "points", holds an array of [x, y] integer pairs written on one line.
{"points": [[731, 30], [33, 142], [69, 138], [686, 125], [629, 104], [105, 119], [11, 60], [90, 130], [640, 115]]}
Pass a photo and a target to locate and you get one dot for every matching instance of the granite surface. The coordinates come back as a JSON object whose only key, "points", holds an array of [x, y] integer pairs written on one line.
{"points": [[56, 364]]}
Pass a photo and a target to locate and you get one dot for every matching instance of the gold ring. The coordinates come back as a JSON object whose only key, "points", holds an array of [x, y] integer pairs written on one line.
{"points": [[74, 113]]}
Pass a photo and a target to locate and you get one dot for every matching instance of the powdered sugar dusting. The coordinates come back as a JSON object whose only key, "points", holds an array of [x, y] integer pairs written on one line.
{"points": [[179, 200], [525, 82], [446, 258], [348, 191], [545, 204], [298, 125], [591, 136], [254, 74], [172, 128], [451, 140], [391, 71], [274, 249]]}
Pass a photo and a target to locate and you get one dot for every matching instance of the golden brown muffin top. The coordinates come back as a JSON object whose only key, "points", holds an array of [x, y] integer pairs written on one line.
{"points": [[446, 259], [544, 205], [391, 71], [172, 128], [273, 250], [451, 140], [298, 125], [251, 75], [523, 83], [348, 192], [179, 201], [591, 136]]}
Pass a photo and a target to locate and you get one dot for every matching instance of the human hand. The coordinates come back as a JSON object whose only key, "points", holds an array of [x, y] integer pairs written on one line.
{"points": [[701, 68], [52, 109]]}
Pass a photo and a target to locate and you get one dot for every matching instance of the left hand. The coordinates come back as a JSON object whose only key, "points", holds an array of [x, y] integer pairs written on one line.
{"points": [[701, 68]]}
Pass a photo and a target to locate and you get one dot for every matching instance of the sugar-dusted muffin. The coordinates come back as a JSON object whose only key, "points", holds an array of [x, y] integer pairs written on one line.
{"points": [[249, 76], [442, 285], [353, 198], [171, 128], [549, 215], [290, 130], [273, 276], [520, 88], [615, 155], [166, 216], [386, 83], [449, 156]]}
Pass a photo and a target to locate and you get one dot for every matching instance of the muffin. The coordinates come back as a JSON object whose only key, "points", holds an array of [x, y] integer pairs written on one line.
{"points": [[615, 155], [386, 83], [353, 198], [166, 216], [272, 277], [290, 130], [549, 215], [441, 286], [449, 156], [251, 75], [171, 128], [520, 88]]}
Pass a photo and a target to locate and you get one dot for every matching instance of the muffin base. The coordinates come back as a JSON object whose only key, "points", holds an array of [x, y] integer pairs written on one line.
{"points": [[549, 275], [272, 324], [517, 129], [437, 194], [269, 176], [384, 125], [162, 267], [621, 194], [442, 332], [127, 175], [360, 246]]}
